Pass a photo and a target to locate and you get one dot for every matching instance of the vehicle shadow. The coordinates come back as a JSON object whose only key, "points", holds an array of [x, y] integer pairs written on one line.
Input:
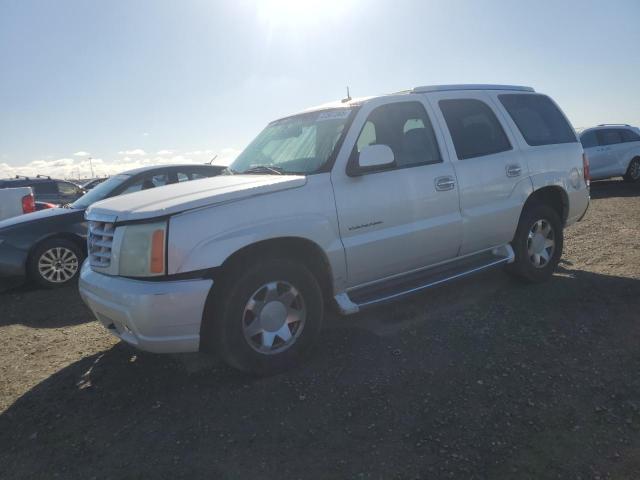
{"points": [[614, 188], [477, 379], [36, 307]]}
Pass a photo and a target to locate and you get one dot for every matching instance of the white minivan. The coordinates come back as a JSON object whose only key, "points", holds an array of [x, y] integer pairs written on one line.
{"points": [[613, 151], [350, 204]]}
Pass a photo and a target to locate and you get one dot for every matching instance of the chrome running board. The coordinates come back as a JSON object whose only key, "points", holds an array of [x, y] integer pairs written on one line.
{"points": [[397, 287]]}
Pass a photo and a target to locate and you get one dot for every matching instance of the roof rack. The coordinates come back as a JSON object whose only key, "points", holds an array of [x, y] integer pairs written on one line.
{"points": [[470, 86], [43, 176], [22, 176], [614, 125]]}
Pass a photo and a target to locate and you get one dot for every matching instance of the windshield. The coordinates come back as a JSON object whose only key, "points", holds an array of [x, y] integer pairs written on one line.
{"points": [[299, 144], [100, 191]]}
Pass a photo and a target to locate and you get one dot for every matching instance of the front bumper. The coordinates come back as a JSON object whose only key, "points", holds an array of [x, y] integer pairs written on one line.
{"points": [[155, 316]]}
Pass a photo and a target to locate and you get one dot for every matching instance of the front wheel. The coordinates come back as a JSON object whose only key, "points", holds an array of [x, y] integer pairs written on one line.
{"points": [[55, 263], [633, 172], [537, 244], [265, 319]]}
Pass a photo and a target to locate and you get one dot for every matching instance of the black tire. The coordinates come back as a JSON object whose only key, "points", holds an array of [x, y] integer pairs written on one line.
{"points": [[633, 171], [524, 266], [225, 316], [66, 274]]}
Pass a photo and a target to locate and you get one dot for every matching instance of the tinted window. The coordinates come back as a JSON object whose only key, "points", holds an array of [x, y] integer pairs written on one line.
{"points": [[67, 189], [474, 128], [183, 177], [609, 136], [589, 139], [629, 136], [387, 125], [539, 120], [45, 188], [146, 182]]}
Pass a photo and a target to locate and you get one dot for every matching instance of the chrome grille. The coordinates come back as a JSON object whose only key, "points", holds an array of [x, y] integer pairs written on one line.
{"points": [[99, 241]]}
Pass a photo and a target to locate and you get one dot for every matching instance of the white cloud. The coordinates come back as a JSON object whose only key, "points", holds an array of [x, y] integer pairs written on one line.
{"points": [[135, 151], [164, 152], [82, 153], [81, 168]]}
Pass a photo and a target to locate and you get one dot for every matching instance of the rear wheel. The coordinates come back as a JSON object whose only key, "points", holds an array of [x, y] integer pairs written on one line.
{"points": [[265, 319], [537, 244], [633, 172], [55, 263]]}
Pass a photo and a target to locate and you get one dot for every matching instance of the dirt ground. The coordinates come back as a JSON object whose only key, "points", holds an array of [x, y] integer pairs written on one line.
{"points": [[482, 379]]}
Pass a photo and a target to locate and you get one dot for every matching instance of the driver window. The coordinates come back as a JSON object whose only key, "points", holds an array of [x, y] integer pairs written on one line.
{"points": [[406, 129]]}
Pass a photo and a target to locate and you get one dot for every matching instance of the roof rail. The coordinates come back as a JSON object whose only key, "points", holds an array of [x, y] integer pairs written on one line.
{"points": [[43, 176], [614, 125], [22, 176], [470, 86]]}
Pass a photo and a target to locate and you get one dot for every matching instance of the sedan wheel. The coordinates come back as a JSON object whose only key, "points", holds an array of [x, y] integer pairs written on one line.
{"points": [[58, 265]]}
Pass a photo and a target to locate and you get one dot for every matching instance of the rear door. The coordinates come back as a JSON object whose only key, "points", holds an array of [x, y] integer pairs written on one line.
{"points": [[488, 167], [403, 217]]}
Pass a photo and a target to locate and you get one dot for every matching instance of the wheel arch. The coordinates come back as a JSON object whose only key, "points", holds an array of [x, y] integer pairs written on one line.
{"points": [[554, 196], [77, 239], [302, 249]]}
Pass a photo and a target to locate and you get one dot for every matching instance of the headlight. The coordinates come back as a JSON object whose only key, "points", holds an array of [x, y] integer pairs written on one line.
{"points": [[142, 251]]}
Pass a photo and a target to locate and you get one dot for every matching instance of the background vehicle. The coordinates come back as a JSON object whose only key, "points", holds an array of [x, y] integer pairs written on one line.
{"points": [[45, 206], [16, 201], [48, 246], [46, 189], [360, 202], [613, 150]]}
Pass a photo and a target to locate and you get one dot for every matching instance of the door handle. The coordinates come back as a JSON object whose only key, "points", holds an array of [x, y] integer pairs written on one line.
{"points": [[445, 183], [514, 170]]}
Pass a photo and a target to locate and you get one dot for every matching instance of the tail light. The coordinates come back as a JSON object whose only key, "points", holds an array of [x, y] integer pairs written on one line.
{"points": [[585, 169], [28, 203]]}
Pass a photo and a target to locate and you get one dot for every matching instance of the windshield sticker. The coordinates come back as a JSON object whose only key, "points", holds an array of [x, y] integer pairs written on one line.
{"points": [[338, 114]]}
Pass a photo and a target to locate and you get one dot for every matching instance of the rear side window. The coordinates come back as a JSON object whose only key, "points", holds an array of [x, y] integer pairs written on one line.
{"points": [[629, 136], [474, 128], [609, 136], [539, 120], [589, 139]]}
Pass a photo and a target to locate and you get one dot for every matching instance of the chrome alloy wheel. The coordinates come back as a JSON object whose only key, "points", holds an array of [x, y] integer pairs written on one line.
{"points": [[634, 170], [541, 243], [274, 317], [58, 265]]}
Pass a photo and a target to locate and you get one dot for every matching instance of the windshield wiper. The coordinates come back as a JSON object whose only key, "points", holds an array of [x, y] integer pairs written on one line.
{"points": [[266, 169]]}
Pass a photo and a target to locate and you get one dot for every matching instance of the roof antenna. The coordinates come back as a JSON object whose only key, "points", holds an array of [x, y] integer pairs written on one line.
{"points": [[214, 157], [348, 98]]}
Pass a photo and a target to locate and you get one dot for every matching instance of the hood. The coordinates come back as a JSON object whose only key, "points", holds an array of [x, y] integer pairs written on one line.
{"points": [[35, 216], [171, 199]]}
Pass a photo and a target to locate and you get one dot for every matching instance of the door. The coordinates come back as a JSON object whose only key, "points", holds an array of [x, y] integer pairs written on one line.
{"points": [[604, 163], [402, 217], [594, 152], [491, 172]]}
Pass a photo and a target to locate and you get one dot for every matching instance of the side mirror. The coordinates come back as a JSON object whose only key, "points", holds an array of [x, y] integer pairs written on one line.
{"points": [[374, 157]]}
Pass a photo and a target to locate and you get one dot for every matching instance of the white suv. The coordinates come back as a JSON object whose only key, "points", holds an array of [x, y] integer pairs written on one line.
{"points": [[349, 204], [613, 151]]}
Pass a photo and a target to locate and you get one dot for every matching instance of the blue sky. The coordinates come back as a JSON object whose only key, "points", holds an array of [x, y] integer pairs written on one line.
{"points": [[125, 80]]}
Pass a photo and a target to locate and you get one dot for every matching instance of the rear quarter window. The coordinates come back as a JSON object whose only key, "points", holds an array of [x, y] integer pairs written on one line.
{"points": [[589, 139], [539, 120]]}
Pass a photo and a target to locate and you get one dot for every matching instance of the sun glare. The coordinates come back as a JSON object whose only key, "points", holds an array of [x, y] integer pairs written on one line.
{"points": [[292, 13]]}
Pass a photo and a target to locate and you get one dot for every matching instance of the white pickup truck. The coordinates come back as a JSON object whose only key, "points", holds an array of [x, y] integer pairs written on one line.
{"points": [[16, 201], [349, 204]]}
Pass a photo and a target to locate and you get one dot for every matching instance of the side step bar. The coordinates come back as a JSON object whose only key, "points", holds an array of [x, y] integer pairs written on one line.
{"points": [[397, 287]]}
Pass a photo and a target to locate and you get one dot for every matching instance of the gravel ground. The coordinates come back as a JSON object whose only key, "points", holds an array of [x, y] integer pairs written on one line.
{"points": [[485, 378]]}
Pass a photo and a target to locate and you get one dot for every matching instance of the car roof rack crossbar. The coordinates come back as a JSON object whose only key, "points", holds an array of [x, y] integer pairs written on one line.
{"points": [[614, 125], [470, 86]]}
